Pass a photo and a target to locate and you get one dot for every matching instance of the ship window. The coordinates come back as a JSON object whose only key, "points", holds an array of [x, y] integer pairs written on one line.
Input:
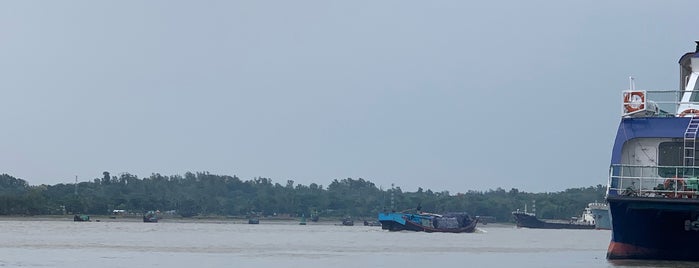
{"points": [[669, 154], [672, 154]]}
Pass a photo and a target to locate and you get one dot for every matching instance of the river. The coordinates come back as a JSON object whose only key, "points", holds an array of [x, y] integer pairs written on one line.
{"points": [[115, 243]]}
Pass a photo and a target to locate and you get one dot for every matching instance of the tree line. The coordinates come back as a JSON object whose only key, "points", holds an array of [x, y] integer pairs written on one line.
{"points": [[205, 194]]}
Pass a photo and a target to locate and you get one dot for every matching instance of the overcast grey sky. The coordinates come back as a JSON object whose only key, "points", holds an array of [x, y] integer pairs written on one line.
{"points": [[445, 95]]}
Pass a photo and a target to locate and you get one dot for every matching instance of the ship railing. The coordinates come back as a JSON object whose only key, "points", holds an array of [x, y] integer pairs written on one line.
{"points": [[653, 181], [667, 101]]}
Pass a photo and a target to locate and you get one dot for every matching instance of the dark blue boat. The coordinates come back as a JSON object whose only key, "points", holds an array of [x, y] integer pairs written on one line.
{"points": [[428, 222], [653, 188], [151, 216]]}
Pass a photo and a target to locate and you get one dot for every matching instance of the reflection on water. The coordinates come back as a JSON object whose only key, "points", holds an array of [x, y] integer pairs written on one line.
{"points": [[63, 243]]}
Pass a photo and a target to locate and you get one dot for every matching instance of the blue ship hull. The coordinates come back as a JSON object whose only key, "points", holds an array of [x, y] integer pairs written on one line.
{"points": [[660, 229]]}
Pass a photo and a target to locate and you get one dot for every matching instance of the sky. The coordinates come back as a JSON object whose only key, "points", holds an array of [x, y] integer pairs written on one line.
{"points": [[444, 95]]}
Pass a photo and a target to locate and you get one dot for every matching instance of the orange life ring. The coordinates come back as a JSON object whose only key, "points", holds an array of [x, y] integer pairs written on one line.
{"points": [[631, 99], [693, 112]]}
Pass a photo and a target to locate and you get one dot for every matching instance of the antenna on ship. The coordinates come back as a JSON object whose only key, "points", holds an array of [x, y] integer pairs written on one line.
{"points": [[632, 85]]}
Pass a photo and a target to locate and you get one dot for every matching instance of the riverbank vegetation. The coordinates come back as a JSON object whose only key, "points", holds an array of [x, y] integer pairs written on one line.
{"points": [[205, 194]]}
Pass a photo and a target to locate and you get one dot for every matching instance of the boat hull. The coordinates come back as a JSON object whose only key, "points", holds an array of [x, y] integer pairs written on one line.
{"points": [[658, 229], [526, 220]]}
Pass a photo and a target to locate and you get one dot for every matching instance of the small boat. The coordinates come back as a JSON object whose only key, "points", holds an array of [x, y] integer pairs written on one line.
{"points": [[151, 216], [372, 223], [254, 217], [303, 219], [428, 222], [347, 221], [314, 216], [525, 219], [81, 217]]}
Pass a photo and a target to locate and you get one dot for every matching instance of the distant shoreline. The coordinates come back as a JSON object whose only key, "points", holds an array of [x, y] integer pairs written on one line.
{"points": [[138, 218], [207, 219]]}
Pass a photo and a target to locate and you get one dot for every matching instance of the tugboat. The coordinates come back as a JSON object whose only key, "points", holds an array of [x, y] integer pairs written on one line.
{"points": [[653, 186]]}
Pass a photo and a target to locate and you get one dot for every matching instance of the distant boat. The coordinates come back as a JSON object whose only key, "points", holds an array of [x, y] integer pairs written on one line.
{"points": [[254, 221], [601, 216], [428, 222], [347, 221], [150, 216], [526, 219], [303, 220], [81, 217], [372, 223], [314, 216]]}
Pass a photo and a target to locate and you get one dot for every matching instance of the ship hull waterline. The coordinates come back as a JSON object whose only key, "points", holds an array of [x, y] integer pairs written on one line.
{"points": [[657, 229]]}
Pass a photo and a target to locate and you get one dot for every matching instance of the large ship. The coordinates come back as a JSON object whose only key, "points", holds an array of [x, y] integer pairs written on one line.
{"points": [[525, 219], [653, 190]]}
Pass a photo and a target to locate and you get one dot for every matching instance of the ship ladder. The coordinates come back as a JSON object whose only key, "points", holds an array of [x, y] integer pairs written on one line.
{"points": [[690, 141]]}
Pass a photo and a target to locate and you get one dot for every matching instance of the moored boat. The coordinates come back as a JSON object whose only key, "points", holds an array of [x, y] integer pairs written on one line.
{"points": [[151, 216], [371, 223], [347, 221], [653, 186], [81, 217], [428, 222], [314, 216]]}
